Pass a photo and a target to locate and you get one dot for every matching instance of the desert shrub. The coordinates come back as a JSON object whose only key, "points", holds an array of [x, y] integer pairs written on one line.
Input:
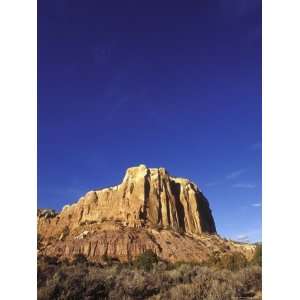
{"points": [[250, 279], [183, 273], [232, 262], [60, 280], [213, 261], [221, 290], [52, 287], [135, 284], [146, 260], [50, 291], [96, 290], [39, 240], [180, 292], [109, 260], [51, 260], [176, 264], [45, 270], [161, 266], [79, 259], [74, 282], [257, 257], [203, 284]]}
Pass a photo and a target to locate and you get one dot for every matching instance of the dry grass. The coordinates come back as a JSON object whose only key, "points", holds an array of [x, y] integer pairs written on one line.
{"points": [[83, 280]]}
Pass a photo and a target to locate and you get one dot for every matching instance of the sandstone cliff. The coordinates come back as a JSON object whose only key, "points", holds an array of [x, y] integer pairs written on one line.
{"points": [[149, 210]]}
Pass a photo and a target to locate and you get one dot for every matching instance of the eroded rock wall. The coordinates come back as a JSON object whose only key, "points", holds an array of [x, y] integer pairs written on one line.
{"points": [[146, 197]]}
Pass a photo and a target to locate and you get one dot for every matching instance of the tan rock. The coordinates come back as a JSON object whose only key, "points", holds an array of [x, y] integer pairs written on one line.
{"points": [[149, 210]]}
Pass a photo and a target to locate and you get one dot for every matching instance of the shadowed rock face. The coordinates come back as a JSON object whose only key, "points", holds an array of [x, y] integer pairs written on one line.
{"points": [[146, 198]]}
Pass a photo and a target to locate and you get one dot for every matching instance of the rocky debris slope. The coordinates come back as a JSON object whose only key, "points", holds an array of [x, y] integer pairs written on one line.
{"points": [[149, 210]]}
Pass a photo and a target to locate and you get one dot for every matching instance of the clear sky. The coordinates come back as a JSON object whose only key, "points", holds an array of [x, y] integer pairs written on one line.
{"points": [[174, 84]]}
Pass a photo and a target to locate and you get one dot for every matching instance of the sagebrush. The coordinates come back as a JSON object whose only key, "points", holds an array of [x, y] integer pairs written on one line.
{"points": [[148, 278]]}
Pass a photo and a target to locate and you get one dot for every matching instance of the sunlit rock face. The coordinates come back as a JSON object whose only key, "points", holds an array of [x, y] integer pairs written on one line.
{"points": [[149, 209], [147, 197]]}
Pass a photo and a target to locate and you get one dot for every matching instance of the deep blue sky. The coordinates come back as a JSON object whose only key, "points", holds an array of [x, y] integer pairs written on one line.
{"points": [[172, 84]]}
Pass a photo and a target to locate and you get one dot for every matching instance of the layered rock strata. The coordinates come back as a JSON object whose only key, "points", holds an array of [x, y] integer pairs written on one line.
{"points": [[149, 210]]}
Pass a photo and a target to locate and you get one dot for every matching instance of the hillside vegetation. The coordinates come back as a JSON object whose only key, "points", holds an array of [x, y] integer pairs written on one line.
{"points": [[148, 277]]}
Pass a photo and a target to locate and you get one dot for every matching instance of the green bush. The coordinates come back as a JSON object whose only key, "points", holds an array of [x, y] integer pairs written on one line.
{"points": [[146, 260]]}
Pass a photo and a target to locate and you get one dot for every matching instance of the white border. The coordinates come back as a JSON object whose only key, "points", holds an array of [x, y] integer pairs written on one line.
{"points": [[18, 88], [281, 151]]}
